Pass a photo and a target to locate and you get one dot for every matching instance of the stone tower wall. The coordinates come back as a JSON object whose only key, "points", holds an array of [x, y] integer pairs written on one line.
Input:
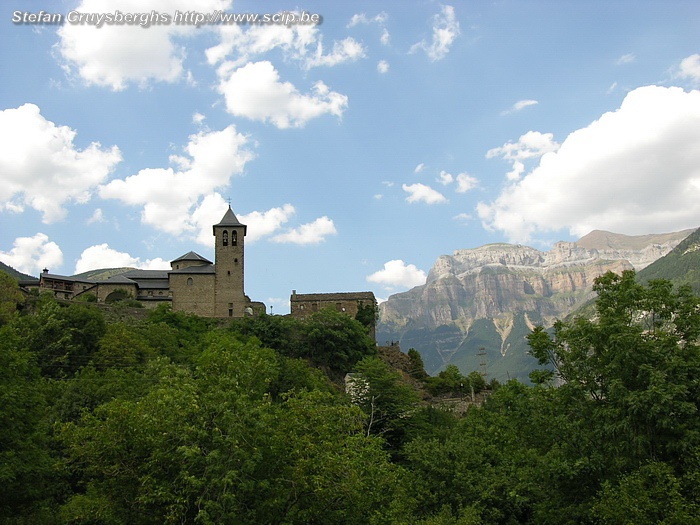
{"points": [[229, 295]]}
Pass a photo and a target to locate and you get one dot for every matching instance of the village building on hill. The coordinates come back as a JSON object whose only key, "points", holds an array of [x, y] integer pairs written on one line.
{"points": [[196, 285], [193, 284]]}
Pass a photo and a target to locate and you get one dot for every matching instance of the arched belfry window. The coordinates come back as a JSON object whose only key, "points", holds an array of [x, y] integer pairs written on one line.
{"points": [[234, 238], [225, 237]]}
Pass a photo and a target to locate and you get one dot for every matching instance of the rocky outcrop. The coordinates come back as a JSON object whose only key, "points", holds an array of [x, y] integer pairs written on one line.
{"points": [[502, 282]]}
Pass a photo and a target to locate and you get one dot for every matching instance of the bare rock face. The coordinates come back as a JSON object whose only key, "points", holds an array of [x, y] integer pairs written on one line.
{"points": [[496, 282]]}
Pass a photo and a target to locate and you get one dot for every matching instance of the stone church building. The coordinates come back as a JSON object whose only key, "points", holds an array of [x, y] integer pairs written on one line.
{"points": [[193, 284]]}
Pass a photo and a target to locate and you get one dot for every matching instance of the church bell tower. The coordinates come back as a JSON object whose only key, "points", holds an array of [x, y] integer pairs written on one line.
{"points": [[229, 294]]}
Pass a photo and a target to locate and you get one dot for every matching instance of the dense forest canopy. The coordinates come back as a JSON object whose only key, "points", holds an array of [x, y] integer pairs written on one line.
{"points": [[170, 418]]}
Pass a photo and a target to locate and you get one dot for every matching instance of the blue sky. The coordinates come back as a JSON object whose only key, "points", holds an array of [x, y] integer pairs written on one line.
{"points": [[357, 150]]}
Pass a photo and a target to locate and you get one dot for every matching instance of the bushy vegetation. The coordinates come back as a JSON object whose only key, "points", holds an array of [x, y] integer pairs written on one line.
{"points": [[178, 419]]}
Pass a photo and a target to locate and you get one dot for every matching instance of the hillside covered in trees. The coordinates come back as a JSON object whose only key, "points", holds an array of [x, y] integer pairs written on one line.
{"points": [[110, 418]]}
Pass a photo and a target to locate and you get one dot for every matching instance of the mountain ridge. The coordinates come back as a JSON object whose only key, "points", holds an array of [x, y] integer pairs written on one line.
{"points": [[507, 288]]}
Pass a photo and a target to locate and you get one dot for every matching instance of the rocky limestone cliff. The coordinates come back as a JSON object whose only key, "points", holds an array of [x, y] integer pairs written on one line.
{"points": [[503, 283]]}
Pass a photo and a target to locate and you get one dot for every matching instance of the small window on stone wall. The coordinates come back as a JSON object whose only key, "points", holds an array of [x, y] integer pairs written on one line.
{"points": [[189, 281]]}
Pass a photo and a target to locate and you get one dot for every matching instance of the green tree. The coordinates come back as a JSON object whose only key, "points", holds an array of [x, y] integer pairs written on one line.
{"points": [[634, 366], [10, 297], [387, 400], [417, 365], [335, 340], [25, 464]]}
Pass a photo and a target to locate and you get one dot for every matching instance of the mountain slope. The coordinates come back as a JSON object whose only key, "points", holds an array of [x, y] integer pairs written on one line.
{"points": [[14, 273], [681, 265], [490, 297]]}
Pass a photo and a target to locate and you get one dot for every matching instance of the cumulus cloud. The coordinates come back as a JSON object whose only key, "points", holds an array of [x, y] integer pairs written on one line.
{"points": [[102, 256], [115, 55], [397, 273], [32, 254], [97, 216], [170, 198], [421, 193], [239, 45], [445, 31], [254, 91], [634, 170], [311, 233], [40, 167], [380, 20], [362, 18], [383, 66], [445, 178], [466, 182], [346, 50], [531, 145], [300, 43], [198, 119], [690, 68], [263, 223]]}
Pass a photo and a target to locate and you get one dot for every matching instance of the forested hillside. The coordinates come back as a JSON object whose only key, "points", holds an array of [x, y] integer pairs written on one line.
{"points": [[109, 419]]}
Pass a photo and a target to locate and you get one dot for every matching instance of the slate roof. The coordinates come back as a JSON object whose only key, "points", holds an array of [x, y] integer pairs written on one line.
{"points": [[369, 296], [192, 256], [229, 219], [118, 279], [67, 278], [146, 274], [208, 268]]}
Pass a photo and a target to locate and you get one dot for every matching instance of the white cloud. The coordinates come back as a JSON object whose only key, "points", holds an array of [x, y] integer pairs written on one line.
{"points": [[383, 66], [379, 20], [115, 55], [347, 50], [445, 31], [171, 197], [445, 178], [386, 37], [32, 254], [531, 145], [40, 166], [262, 224], [634, 170], [198, 119], [466, 182], [627, 58], [97, 216], [310, 233], [102, 256], [463, 217], [255, 92], [239, 45], [419, 168], [690, 68], [397, 273], [362, 18], [519, 105], [300, 43], [420, 192]]}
